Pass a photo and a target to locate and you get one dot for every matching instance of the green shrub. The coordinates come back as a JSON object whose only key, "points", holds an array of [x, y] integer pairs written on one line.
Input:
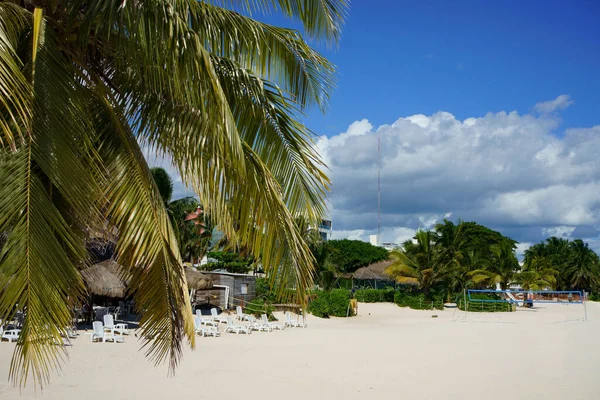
{"points": [[259, 306], [333, 303], [319, 304], [375, 295], [418, 301], [594, 297], [481, 306]]}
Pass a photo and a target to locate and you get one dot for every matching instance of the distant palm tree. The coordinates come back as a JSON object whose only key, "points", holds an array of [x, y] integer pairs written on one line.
{"points": [[86, 83], [192, 228], [422, 263], [582, 268], [538, 275]]}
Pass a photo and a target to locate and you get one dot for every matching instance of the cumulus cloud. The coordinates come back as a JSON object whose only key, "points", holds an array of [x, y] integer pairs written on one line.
{"points": [[560, 103], [515, 173]]}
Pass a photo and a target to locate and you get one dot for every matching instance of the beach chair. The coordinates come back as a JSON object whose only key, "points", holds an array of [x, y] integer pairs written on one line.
{"points": [[11, 335], [233, 328], [218, 317], [205, 330], [206, 320], [99, 333], [271, 324], [240, 314], [259, 325], [110, 326], [291, 322]]}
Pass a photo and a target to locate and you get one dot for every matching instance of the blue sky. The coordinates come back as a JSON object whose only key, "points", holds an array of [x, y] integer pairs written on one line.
{"points": [[465, 57]]}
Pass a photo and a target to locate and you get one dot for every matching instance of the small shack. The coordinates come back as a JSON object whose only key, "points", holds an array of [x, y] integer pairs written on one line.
{"points": [[228, 290]]}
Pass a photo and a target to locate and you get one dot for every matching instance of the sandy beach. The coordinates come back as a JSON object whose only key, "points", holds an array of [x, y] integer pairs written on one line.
{"points": [[384, 352]]}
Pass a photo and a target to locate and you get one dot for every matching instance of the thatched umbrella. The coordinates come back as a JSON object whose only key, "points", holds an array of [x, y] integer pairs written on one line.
{"points": [[197, 280], [105, 279], [373, 271]]}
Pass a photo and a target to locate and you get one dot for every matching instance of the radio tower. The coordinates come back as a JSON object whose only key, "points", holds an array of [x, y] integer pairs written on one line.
{"points": [[378, 185]]}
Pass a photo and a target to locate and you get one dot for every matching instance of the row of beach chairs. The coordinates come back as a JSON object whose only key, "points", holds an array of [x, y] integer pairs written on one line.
{"points": [[209, 325]]}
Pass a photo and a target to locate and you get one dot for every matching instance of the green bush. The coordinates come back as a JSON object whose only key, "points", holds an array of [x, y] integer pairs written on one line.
{"points": [[594, 297], [259, 306], [375, 295], [333, 303], [418, 301], [319, 304]]}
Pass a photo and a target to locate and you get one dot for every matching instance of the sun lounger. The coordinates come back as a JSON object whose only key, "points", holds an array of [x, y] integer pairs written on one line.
{"points": [[291, 322], [271, 324], [240, 314], [208, 320], [110, 326], [233, 328], [218, 317], [205, 330], [259, 325], [99, 333], [12, 335]]}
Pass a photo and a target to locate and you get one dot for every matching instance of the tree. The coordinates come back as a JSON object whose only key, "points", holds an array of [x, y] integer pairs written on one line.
{"points": [[582, 267], [192, 229], [577, 265], [164, 183], [86, 83], [537, 275], [349, 255], [423, 263]]}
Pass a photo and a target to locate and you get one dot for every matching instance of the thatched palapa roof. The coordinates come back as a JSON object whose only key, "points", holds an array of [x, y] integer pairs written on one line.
{"points": [[373, 271], [197, 280], [105, 279]]}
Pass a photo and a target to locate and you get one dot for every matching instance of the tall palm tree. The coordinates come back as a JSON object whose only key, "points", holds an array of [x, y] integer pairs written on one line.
{"points": [[537, 275], [192, 229], [582, 268], [86, 84], [422, 263]]}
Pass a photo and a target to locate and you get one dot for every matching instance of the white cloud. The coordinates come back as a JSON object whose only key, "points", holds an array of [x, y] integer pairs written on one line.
{"points": [[560, 103], [559, 231], [515, 173]]}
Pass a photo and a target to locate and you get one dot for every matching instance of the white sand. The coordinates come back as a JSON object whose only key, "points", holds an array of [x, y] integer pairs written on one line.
{"points": [[385, 352]]}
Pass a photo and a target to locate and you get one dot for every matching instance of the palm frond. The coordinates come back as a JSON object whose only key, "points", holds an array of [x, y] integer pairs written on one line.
{"points": [[147, 247], [46, 193], [322, 19]]}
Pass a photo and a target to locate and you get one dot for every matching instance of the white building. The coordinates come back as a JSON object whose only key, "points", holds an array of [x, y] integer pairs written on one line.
{"points": [[325, 229]]}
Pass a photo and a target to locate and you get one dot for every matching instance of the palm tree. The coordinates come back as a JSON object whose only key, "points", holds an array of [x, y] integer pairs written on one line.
{"points": [[537, 275], [421, 263], [193, 233], [86, 84], [582, 267]]}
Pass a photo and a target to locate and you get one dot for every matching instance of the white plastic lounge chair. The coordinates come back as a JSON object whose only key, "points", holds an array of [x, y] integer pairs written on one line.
{"points": [[12, 335], [258, 325], [291, 322], [205, 330], [241, 316], [272, 324], [206, 320], [218, 317], [100, 334], [110, 326], [231, 327]]}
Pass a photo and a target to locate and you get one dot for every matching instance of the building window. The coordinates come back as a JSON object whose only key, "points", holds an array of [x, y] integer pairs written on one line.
{"points": [[244, 288]]}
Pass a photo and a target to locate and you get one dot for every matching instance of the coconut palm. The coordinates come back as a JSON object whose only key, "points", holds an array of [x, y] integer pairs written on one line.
{"points": [[422, 263], [86, 85], [582, 267], [537, 275], [192, 228]]}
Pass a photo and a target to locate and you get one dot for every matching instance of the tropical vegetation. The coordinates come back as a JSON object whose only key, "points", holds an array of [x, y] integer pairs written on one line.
{"points": [[89, 87]]}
